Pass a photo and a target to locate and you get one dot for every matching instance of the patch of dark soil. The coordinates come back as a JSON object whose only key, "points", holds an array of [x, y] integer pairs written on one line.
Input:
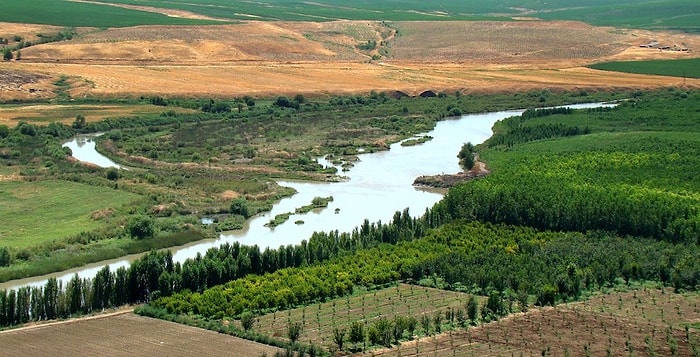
{"points": [[15, 79]]}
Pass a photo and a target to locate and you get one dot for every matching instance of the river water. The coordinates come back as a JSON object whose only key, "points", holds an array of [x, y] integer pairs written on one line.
{"points": [[378, 185], [83, 148]]}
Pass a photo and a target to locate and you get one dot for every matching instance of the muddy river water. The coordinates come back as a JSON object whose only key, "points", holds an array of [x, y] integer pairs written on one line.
{"points": [[378, 185]]}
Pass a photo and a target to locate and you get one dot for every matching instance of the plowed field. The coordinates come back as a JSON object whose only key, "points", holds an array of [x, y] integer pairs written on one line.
{"points": [[125, 334]]}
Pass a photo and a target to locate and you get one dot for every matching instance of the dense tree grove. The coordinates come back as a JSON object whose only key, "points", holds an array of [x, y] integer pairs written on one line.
{"points": [[642, 183]]}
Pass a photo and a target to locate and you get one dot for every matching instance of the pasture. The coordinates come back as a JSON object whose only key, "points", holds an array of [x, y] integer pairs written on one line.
{"points": [[34, 213]]}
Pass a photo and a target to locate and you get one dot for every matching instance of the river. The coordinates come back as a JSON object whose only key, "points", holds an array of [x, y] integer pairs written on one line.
{"points": [[379, 185]]}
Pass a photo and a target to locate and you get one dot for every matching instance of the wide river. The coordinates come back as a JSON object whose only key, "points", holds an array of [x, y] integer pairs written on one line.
{"points": [[379, 185]]}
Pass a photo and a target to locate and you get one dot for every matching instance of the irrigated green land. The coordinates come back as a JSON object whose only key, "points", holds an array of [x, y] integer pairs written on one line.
{"points": [[675, 14], [685, 68]]}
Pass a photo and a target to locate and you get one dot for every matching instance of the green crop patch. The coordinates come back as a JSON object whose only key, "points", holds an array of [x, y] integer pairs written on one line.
{"points": [[673, 14], [78, 14], [686, 68]]}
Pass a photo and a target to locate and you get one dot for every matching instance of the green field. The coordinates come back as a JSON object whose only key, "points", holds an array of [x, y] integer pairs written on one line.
{"points": [[675, 14], [37, 212], [686, 68], [74, 14]]}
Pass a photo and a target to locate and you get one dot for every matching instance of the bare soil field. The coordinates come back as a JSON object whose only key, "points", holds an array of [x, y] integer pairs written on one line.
{"points": [[646, 322], [158, 10], [124, 334], [265, 58]]}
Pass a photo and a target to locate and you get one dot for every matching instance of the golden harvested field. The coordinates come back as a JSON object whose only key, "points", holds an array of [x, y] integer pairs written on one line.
{"points": [[272, 58], [124, 334], [10, 115], [646, 322]]}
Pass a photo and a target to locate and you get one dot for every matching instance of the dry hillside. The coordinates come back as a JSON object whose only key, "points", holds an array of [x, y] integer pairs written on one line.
{"points": [[264, 58]]}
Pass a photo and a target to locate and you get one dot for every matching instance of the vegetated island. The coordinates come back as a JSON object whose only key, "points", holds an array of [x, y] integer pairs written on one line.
{"points": [[449, 180], [468, 159]]}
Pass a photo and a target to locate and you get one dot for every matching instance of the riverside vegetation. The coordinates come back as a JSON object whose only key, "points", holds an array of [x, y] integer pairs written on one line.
{"points": [[578, 201], [216, 158]]}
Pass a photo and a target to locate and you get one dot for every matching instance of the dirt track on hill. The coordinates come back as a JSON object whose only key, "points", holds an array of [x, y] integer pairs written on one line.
{"points": [[263, 59]]}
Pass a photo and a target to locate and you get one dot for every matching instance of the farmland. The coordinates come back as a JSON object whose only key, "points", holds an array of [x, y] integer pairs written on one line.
{"points": [[319, 320], [641, 319], [689, 68], [209, 102], [43, 114], [125, 334], [676, 14], [264, 59], [645, 321], [74, 14]]}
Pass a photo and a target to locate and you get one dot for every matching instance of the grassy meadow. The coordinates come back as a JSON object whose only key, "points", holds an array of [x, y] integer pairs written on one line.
{"points": [[38, 212]]}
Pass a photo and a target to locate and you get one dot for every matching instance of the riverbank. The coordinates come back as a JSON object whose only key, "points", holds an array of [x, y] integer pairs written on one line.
{"points": [[63, 260]]}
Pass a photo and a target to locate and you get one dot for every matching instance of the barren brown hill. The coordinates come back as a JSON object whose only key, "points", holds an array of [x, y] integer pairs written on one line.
{"points": [[264, 58]]}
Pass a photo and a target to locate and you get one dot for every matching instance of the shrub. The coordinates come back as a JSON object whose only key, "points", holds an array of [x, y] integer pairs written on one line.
{"points": [[141, 227]]}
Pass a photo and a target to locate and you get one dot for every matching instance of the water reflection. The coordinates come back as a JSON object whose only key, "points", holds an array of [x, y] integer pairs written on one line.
{"points": [[83, 148]]}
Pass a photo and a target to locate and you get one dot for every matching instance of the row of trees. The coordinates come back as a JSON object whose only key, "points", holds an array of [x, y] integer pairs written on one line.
{"points": [[551, 266], [155, 275]]}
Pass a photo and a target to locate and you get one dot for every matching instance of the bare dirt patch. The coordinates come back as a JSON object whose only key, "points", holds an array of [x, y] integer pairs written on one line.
{"points": [[125, 334], [158, 10], [21, 84], [229, 195]]}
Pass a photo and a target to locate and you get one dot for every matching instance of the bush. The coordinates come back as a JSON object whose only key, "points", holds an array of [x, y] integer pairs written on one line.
{"points": [[247, 320], [112, 174], [141, 227], [239, 206], [5, 257]]}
